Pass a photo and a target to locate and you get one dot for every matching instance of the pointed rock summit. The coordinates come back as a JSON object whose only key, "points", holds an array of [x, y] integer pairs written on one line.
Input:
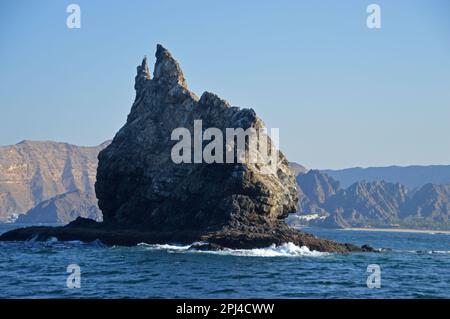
{"points": [[167, 69], [142, 76], [147, 196]]}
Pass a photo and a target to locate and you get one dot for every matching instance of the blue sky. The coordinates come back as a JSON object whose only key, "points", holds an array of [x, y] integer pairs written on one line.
{"points": [[342, 95]]}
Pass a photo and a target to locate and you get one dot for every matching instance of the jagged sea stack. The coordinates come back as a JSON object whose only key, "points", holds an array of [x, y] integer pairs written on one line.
{"points": [[147, 197], [139, 185]]}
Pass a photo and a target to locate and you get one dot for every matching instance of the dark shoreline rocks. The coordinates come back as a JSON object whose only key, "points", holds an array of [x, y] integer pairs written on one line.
{"points": [[87, 230], [147, 197]]}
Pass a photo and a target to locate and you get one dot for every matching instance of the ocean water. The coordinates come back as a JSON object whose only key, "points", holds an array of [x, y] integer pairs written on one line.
{"points": [[412, 266]]}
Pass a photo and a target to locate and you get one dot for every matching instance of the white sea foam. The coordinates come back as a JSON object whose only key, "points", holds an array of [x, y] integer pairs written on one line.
{"points": [[285, 250], [165, 247]]}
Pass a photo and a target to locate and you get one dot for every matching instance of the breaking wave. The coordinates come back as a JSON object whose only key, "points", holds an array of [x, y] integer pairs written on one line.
{"points": [[285, 250], [166, 247]]}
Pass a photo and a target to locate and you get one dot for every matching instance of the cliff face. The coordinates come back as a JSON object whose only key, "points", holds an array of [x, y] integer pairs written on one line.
{"points": [[317, 186], [365, 202], [31, 172], [315, 189], [139, 185], [430, 204], [63, 209]]}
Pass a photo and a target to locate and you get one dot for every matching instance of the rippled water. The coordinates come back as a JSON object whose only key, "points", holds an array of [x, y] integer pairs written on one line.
{"points": [[417, 267]]}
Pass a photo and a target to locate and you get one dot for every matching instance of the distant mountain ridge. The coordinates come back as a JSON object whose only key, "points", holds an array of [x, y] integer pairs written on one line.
{"points": [[34, 171], [53, 182], [63, 209], [376, 203], [411, 176], [297, 168]]}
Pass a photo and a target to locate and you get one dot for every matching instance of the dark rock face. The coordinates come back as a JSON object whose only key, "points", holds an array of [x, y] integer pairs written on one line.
{"points": [[63, 209], [146, 197], [139, 185]]}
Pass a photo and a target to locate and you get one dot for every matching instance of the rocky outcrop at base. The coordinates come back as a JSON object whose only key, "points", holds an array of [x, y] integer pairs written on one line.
{"points": [[87, 230]]}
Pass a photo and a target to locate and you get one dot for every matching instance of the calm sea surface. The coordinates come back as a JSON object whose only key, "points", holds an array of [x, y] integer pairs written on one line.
{"points": [[415, 266]]}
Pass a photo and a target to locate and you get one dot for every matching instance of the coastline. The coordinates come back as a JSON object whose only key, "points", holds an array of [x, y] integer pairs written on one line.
{"points": [[400, 230]]}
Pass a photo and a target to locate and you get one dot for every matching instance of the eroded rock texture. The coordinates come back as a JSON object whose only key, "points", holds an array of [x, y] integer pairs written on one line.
{"points": [[139, 185]]}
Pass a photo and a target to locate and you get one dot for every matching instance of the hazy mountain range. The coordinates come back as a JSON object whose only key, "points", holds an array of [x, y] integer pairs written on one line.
{"points": [[410, 176], [47, 182], [324, 202], [63, 209]]}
